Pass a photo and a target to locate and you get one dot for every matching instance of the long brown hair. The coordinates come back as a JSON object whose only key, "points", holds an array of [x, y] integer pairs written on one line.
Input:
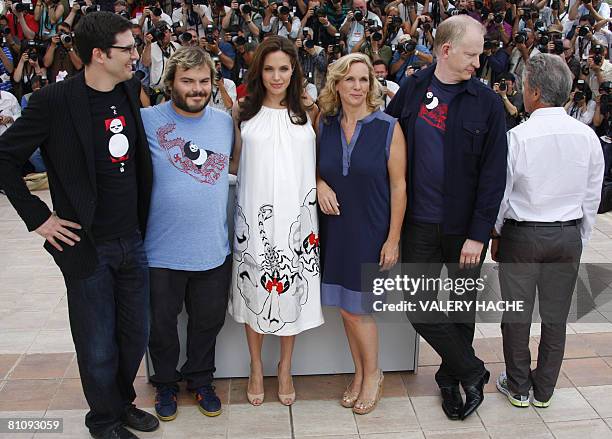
{"points": [[256, 91]]}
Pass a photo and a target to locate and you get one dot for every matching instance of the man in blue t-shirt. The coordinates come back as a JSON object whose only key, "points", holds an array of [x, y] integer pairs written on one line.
{"points": [[455, 130], [187, 239], [407, 53]]}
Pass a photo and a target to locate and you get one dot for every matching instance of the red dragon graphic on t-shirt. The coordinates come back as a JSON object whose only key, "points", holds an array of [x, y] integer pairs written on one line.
{"points": [[202, 164], [433, 112]]}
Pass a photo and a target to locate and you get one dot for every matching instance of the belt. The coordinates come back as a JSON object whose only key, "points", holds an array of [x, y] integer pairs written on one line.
{"points": [[542, 224]]}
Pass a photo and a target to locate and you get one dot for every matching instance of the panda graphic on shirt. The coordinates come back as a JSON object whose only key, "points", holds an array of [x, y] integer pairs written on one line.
{"points": [[118, 143]]}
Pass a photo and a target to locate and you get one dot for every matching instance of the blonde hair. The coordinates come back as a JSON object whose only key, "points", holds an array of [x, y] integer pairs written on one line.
{"points": [[329, 100], [453, 29], [186, 57]]}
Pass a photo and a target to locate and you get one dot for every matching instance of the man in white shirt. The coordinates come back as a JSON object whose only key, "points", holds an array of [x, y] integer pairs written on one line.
{"points": [[156, 54], [553, 187], [389, 87], [223, 92], [354, 29], [9, 110]]}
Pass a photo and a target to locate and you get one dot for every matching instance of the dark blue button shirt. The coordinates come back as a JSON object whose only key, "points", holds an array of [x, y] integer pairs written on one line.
{"points": [[475, 151]]}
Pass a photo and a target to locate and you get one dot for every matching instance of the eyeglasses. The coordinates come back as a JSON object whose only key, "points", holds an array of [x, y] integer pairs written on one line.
{"points": [[126, 49]]}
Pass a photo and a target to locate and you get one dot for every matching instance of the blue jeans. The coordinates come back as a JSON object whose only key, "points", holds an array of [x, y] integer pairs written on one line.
{"points": [[109, 320]]}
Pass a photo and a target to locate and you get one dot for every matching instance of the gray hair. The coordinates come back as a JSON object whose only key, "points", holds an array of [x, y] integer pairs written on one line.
{"points": [[551, 76]]}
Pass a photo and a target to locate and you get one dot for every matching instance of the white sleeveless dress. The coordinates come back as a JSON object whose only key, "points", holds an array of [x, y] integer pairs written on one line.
{"points": [[275, 275]]}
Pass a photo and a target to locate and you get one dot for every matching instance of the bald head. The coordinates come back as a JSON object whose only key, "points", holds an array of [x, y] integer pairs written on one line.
{"points": [[453, 30]]}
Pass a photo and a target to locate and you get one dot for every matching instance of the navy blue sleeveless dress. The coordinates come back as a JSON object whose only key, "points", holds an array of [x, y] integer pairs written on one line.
{"points": [[357, 173]]}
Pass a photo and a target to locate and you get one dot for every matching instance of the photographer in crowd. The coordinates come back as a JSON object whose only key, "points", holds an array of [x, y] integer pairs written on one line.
{"points": [[152, 16], [244, 16], [61, 60], [407, 53], [600, 69], [21, 21], [389, 88], [223, 90], [190, 15], [29, 66], [581, 106], [357, 22], [511, 98], [158, 49], [312, 59], [278, 20]]}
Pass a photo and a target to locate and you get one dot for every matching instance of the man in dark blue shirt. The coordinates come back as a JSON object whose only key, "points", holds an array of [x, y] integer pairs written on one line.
{"points": [[456, 136]]}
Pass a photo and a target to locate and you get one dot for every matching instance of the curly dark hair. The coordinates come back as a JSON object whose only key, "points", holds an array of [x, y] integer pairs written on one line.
{"points": [[256, 90]]}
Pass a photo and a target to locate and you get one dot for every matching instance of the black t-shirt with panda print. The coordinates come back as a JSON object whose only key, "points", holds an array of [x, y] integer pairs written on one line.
{"points": [[114, 138]]}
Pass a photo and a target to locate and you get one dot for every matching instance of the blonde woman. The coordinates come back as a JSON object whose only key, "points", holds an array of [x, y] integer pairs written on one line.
{"points": [[361, 190]]}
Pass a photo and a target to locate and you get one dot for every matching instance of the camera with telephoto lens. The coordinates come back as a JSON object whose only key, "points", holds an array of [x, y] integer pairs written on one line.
{"points": [[357, 14], [489, 44], [544, 40], [502, 85], [520, 37], [375, 33], [245, 8], [307, 41], [336, 46], [124, 14], [382, 81], [407, 46], [426, 27], [66, 38], [559, 49], [498, 18], [208, 34], [578, 96], [598, 52], [583, 31], [396, 21], [284, 10], [185, 37]]}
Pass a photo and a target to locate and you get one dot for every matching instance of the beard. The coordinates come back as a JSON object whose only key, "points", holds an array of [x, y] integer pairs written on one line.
{"points": [[181, 101]]}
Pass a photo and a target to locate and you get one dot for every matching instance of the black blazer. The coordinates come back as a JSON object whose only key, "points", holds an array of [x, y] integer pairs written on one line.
{"points": [[58, 120], [475, 152]]}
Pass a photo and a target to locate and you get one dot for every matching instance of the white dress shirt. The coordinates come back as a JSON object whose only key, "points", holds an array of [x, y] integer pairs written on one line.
{"points": [[9, 106], [555, 171]]}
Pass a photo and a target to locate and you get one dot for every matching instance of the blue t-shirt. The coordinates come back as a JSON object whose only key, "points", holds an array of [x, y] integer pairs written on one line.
{"points": [[6, 84], [428, 170], [187, 227]]}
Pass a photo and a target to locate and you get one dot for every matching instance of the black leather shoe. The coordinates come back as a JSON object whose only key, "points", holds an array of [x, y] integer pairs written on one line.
{"points": [[474, 394], [452, 402], [139, 419], [118, 432]]}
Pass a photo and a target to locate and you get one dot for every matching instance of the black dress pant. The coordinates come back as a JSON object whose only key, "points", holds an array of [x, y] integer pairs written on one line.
{"points": [[544, 259], [205, 295], [425, 249]]}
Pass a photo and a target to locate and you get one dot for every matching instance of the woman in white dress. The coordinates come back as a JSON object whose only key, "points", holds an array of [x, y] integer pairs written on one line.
{"points": [[275, 275]]}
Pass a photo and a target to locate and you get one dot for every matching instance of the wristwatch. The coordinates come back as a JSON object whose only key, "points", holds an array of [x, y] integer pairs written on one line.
{"points": [[416, 53]]}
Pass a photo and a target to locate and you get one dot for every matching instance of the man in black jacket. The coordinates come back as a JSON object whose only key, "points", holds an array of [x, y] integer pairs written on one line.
{"points": [[456, 136], [99, 168]]}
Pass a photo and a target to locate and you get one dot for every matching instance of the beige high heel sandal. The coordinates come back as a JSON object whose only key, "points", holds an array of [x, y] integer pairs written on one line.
{"points": [[365, 407], [285, 399], [349, 398], [255, 399]]}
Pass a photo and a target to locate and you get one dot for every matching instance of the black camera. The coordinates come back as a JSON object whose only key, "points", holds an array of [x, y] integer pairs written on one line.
{"points": [[396, 21], [585, 70], [498, 18], [376, 33], [309, 44], [488, 44], [357, 14], [239, 40], [185, 37], [245, 9], [478, 4], [458, 12], [427, 27], [502, 85], [124, 14], [520, 37], [210, 39], [157, 12], [544, 40], [138, 41], [407, 46], [578, 96], [284, 10], [158, 33], [598, 52], [558, 50], [319, 12], [583, 31], [382, 81], [6, 31], [23, 7]]}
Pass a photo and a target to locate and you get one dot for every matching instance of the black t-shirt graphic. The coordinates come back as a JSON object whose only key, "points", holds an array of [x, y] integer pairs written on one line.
{"points": [[114, 137]]}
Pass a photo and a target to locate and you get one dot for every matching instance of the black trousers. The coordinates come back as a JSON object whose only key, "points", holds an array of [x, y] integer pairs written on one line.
{"points": [[544, 259], [425, 249], [205, 295]]}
